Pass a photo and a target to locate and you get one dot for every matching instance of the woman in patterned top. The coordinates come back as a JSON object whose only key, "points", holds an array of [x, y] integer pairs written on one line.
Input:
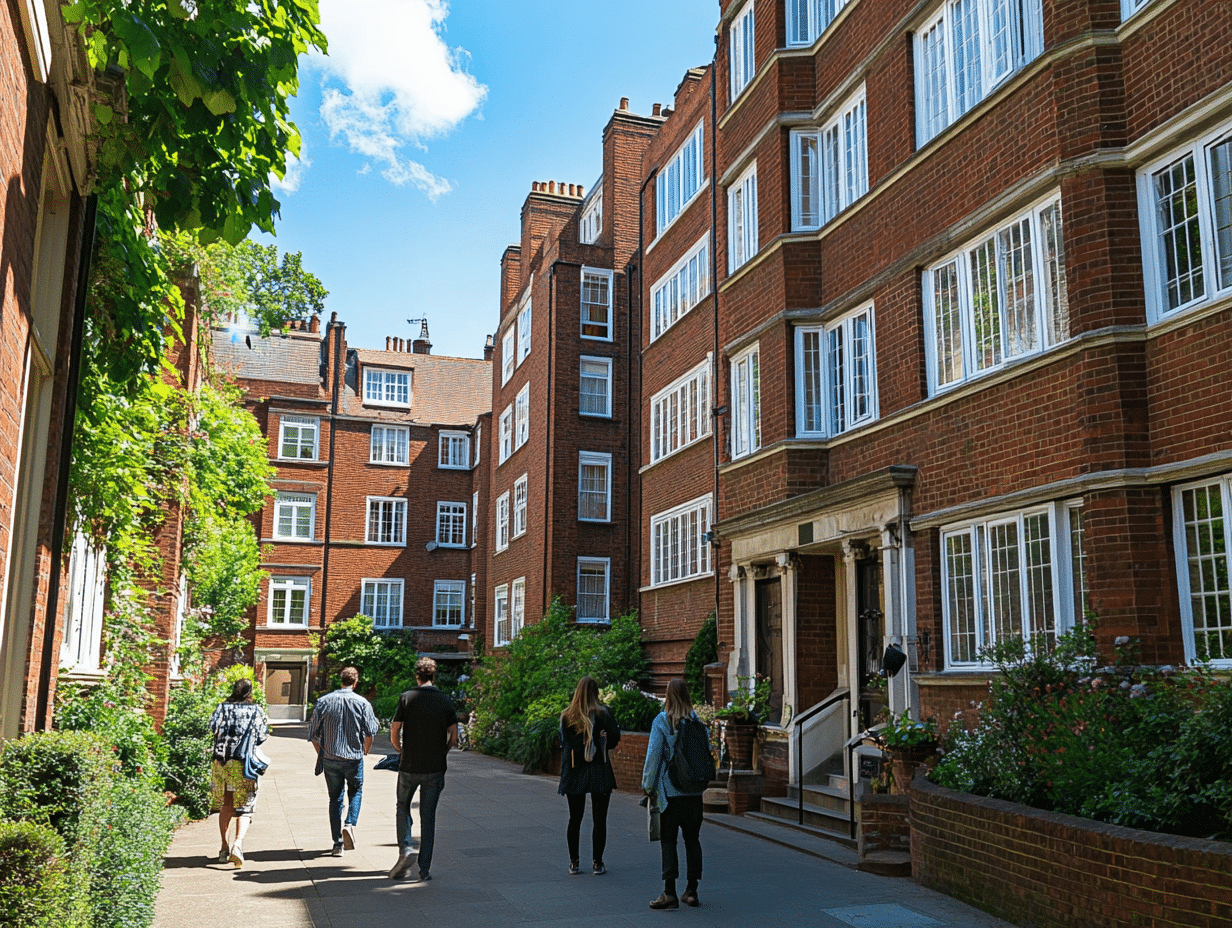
{"points": [[587, 733], [231, 795]]}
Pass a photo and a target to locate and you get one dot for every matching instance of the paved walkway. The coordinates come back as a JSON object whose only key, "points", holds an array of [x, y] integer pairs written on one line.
{"points": [[500, 860]]}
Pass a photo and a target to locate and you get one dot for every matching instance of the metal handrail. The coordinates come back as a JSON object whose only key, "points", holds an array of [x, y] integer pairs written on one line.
{"points": [[833, 699]]}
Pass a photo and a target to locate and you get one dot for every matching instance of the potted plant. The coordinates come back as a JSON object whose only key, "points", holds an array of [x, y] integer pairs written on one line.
{"points": [[910, 742], [748, 705]]}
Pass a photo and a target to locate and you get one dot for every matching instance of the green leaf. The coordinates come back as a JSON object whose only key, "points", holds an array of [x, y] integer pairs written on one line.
{"points": [[139, 40], [73, 12], [103, 114], [219, 102]]}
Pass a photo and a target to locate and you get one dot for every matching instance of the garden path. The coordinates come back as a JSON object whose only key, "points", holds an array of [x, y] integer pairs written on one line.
{"points": [[501, 860]]}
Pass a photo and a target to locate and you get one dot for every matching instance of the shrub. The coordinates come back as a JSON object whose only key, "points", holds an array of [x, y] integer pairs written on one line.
{"points": [[129, 862], [703, 651], [385, 660], [32, 883], [118, 719], [634, 710]]}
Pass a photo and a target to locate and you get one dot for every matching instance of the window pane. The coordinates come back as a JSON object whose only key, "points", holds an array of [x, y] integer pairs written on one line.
{"points": [[837, 354], [1221, 189], [1180, 239], [1209, 594], [948, 323], [1038, 550], [960, 593], [1018, 281], [935, 103], [1057, 311], [1004, 580], [809, 180], [985, 305], [1078, 564], [968, 87]]}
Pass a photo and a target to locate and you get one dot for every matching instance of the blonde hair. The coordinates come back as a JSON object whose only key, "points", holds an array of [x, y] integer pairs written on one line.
{"points": [[678, 703], [579, 717]]}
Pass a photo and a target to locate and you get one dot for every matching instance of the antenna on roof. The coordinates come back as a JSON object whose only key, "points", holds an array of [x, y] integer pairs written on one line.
{"points": [[423, 344]]}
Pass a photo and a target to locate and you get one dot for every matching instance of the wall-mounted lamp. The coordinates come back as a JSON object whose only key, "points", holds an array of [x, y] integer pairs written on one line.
{"points": [[719, 410], [431, 546], [711, 538]]}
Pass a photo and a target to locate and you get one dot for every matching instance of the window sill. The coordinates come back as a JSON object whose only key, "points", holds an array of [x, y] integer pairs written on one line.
{"points": [[283, 627], [441, 544], [453, 467], [276, 540], [655, 587], [596, 338], [389, 463]]}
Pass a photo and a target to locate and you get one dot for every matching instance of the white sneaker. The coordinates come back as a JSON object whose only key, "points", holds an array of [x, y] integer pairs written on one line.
{"points": [[348, 837], [237, 856], [400, 870]]}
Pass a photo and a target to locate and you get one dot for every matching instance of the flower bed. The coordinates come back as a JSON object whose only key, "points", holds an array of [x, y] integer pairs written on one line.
{"points": [[1051, 870]]}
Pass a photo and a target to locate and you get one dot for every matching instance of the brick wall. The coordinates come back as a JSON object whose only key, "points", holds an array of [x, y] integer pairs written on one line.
{"points": [[628, 760], [883, 824], [1057, 871]]}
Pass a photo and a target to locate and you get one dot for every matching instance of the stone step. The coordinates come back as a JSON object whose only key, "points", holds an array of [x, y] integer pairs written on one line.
{"points": [[834, 823], [806, 840], [837, 832], [886, 863], [825, 797]]}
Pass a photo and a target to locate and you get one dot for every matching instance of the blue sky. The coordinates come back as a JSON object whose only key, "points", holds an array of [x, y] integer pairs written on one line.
{"points": [[425, 127]]}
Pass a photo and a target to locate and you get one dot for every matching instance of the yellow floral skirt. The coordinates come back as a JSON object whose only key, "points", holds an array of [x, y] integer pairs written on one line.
{"points": [[229, 778]]}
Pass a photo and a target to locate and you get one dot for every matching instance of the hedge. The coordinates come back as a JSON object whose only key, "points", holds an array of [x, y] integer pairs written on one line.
{"points": [[32, 883]]}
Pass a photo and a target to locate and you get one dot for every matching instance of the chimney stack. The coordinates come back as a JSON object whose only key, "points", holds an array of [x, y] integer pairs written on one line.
{"points": [[656, 110], [624, 104], [489, 346], [314, 324], [423, 344]]}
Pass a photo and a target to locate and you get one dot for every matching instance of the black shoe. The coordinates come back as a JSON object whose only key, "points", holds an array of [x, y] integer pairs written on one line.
{"points": [[574, 868], [422, 878], [689, 897], [598, 868], [666, 902]]}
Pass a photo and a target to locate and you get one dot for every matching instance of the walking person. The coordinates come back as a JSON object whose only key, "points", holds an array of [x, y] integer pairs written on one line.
{"points": [[343, 725], [238, 724], [424, 728], [588, 733], [678, 810]]}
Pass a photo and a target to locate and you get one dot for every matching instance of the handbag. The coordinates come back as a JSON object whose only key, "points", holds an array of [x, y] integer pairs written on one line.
{"points": [[255, 760]]}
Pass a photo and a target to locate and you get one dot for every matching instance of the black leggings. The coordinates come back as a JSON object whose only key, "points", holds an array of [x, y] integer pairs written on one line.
{"points": [[598, 821]]}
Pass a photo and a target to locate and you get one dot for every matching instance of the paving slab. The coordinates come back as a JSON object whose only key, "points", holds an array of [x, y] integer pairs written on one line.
{"points": [[501, 859]]}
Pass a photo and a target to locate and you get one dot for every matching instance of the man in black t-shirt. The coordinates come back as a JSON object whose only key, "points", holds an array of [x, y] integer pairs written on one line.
{"points": [[424, 728]]}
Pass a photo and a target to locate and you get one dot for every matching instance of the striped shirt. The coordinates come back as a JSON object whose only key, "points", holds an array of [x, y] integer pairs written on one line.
{"points": [[341, 720]]}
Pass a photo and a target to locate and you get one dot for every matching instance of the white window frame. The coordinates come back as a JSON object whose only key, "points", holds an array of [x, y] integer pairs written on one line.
{"points": [[500, 615], [288, 585], [974, 592], [520, 497], [594, 459], [601, 332], [674, 294], [454, 451], [742, 242], [517, 606], [521, 417], [524, 328], [295, 502], [370, 597], [1189, 564], [478, 441], [382, 451], [384, 387], [502, 522], [1212, 264], [829, 165], [952, 337], [590, 563], [1130, 7], [450, 524], [506, 434], [601, 372], [680, 413], [442, 593], [836, 375], [590, 226], [300, 424], [742, 59], [508, 358], [82, 645], [679, 551], [808, 19], [944, 88], [474, 518], [399, 521], [746, 402], [681, 180]]}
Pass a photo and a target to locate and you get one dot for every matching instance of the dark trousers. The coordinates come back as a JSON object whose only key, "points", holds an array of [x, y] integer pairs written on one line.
{"points": [[598, 822], [683, 813], [429, 786]]}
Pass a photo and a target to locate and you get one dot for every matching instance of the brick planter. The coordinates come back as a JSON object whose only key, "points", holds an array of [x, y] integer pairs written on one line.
{"points": [[1056, 871], [628, 760]]}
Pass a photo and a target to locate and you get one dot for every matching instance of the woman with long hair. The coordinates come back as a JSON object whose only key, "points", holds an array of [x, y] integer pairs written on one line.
{"points": [[233, 796], [678, 811], [588, 732]]}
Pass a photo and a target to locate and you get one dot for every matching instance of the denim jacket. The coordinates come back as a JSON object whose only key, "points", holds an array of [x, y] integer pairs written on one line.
{"points": [[658, 756]]}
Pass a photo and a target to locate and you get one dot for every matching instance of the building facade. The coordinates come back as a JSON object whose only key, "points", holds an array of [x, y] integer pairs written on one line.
{"points": [[376, 501]]}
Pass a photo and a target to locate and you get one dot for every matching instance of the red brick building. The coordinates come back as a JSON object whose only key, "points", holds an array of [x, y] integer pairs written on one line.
{"points": [[377, 493], [46, 222], [975, 298]]}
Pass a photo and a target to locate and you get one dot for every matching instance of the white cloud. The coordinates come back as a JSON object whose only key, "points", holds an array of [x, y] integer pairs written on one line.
{"points": [[392, 82], [296, 169]]}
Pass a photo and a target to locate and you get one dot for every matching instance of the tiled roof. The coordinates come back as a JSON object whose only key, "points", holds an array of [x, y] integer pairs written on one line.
{"points": [[444, 391], [295, 357]]}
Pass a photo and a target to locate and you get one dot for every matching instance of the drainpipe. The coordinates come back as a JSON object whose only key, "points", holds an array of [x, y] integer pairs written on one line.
{"points": [[60, 511], [335, 331], [714, 297], [633, 453]]}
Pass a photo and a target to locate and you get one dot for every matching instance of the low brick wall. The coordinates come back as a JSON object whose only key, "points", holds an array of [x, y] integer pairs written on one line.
{"points": [[883, 824], [1056, 871], [628, 760]]}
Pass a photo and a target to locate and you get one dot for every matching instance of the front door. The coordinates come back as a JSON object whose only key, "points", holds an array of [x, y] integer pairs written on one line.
{"points": [[872, 631], [284, 684], [770, 642]]}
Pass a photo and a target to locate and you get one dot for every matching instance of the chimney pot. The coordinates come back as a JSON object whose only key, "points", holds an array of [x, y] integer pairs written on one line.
{"points": [[333, 317], [656, 110], [314, 325], [551, 186], [624, 104], [573, 190], [387, 341], [581, 190]]}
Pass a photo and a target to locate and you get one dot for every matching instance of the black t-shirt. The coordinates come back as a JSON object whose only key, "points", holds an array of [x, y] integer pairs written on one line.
{"points": [[426, 715]]}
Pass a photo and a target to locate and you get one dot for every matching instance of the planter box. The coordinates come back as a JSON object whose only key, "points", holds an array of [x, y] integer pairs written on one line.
{"points": [[628, 760], [1050, 870]]}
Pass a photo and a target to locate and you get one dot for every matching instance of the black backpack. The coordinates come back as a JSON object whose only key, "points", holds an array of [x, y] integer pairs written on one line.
{"points": [[692, 765]]}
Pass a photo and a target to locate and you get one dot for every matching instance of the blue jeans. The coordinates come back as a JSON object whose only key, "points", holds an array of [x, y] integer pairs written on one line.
{"points": [[430, 786], [340, 773]]}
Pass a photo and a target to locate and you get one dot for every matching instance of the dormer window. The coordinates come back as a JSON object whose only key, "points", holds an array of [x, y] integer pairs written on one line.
{"points": [[387, 388]]}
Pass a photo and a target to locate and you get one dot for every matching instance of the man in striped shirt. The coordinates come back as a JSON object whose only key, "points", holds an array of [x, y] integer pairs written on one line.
{"points": [[343, 724]]}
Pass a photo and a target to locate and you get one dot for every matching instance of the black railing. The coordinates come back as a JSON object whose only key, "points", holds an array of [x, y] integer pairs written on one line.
{"points": [[833, 699]]}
